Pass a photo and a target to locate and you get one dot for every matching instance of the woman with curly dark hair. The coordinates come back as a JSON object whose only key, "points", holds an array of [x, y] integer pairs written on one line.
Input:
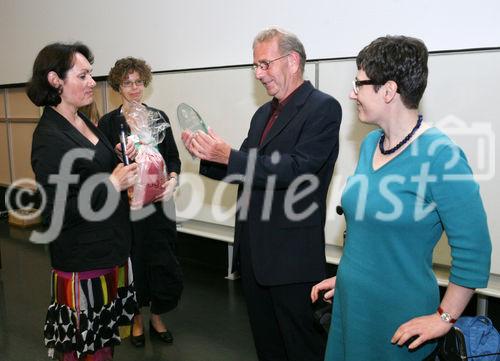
{"points": [[157, 274]]}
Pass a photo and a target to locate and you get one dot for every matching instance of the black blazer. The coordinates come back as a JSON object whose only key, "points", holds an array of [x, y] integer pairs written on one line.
{"points": [[109, 124], [81, 245], [304, 141], [151, 232]]}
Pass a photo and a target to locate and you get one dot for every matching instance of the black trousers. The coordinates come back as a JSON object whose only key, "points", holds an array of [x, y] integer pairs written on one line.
{"points": [[157, 272], [281, 317]]}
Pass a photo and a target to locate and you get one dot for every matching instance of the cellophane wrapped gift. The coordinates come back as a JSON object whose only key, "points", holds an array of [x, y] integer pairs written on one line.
{"points": [[147, 129]]}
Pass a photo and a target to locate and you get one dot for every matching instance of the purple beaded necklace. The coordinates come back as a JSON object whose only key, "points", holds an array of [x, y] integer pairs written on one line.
{"points": [[401, 143]]}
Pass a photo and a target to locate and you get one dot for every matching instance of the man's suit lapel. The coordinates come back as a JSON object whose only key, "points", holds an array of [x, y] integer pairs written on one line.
{"points": [[260, 125], [289, 112]]}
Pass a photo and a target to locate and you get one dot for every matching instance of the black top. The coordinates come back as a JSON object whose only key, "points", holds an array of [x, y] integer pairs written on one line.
{"points": [[109, 124], [78, 243], [159, 225]]}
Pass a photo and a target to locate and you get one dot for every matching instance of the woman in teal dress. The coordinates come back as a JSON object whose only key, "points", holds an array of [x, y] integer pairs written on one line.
{"points": [[411, 184]]}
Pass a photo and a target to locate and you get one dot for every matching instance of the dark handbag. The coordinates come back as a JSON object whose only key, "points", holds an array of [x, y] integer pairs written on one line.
{"points": [[323, 309], [322, 313], [452, 346], [473, 338]]}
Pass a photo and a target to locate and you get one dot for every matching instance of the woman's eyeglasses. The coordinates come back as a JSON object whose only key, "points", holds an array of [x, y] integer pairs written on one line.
{"points": [[130, 83], [356, 84]]}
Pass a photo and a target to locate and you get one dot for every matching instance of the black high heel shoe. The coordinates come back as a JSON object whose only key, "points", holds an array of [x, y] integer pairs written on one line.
{"points": [[137, 341], [165, 336]]}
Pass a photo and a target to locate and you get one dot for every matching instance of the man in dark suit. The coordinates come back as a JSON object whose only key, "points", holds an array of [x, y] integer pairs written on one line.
{"points": [[284, 168]]}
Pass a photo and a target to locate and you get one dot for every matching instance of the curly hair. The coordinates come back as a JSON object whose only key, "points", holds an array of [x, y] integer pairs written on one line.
{"points": [[56, 57], [401, 59], [125, 66]]}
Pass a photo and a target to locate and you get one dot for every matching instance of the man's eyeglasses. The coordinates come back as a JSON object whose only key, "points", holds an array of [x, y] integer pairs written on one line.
{"points": [[264, 64], [356, 84], [130, 83]]}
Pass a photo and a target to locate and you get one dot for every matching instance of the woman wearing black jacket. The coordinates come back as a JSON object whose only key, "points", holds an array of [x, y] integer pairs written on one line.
{"points": [[86, 208], [157, 274]]}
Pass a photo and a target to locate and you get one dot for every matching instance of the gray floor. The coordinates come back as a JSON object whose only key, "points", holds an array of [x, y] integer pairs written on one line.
{"points": [[210, 324]]}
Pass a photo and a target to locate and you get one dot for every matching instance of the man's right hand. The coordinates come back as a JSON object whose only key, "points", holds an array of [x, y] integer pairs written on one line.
{"points": [[187, 137]]}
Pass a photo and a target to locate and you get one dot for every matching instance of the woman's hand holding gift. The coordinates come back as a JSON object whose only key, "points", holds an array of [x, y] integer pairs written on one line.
{"points": [[169, 187], [131, 150]]}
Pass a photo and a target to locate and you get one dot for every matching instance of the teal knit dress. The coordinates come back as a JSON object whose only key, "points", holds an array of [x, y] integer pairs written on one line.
{"points": [[395, 216]]}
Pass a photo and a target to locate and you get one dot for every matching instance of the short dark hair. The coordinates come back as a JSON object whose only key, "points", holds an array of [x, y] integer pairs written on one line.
{"points": [[126, 66], [401, 59], [56, 57]]}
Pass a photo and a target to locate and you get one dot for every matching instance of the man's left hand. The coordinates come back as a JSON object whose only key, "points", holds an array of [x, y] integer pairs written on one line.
{"points": [[210, 147]]}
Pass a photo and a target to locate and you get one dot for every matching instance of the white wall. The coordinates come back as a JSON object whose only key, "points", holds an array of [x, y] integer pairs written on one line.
{"points": [[186, 34], [198, 33], [459, 99], [462, 88]]}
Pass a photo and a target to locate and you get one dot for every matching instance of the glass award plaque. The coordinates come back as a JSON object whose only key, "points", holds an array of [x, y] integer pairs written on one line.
{"points": [[190, 119]]}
